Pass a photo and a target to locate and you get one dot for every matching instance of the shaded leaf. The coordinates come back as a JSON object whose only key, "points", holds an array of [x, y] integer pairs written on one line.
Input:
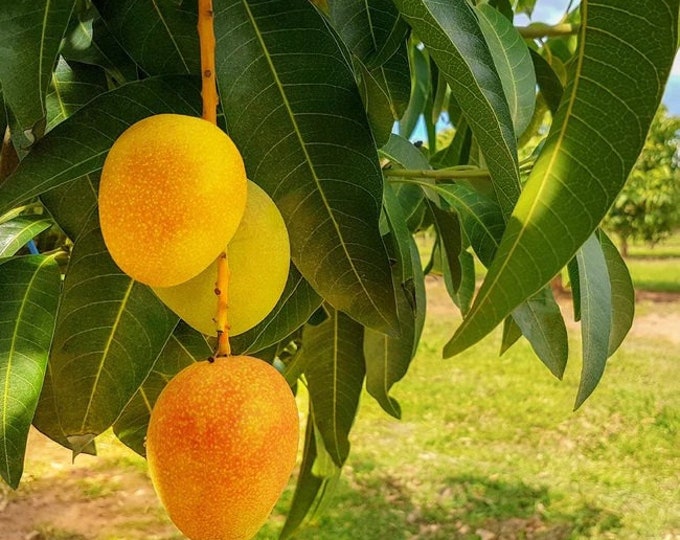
{"points": [[511, 333], [513, 63], [160, 36], [184, 347], [371, 29], [421, 88], [548, 81], [110, 330], [296, 305], [71, 204], [72, 87], [15, 233], [596, 316], [313, 152], [334, 368], [388, 358], [78, 146], [453, 38], [30, 35], [541, 322], [596, 136], [89, 41], [30, 294], [623, 293]]}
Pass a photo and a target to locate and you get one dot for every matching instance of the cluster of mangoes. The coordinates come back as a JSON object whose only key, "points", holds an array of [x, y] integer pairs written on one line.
{"points": [[223, 435]]}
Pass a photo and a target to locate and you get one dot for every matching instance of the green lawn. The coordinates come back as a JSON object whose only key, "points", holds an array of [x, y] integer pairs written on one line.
{"points": [[491, 445], [488, 447]]}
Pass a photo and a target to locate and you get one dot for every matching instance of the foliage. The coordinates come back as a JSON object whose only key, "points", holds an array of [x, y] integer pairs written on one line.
{"points": [[313, 125], [648, 207]]}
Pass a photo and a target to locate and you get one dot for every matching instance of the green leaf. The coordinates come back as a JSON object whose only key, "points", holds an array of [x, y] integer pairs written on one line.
{"points": [[402, 153], [30, 35], [371, 29], [3, 115], [296, 305], [161, 37], [78, 146], [296, 115], [310, 490], [386, 92], [548, 81], [72, 86], [30, 294], [513, 63], [450, 238], [110, 330], [184, 347], [458, 152], [15, 233], [89, 41], [596, 315], [334, 368], [453, 38], [511, 333], [71, 204], [617, 81], [541, 322], [623, 293], [421, 88], [388, 358]]}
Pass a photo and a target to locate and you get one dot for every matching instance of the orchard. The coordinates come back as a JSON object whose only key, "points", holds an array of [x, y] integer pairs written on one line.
{"points": [[209, 207]]}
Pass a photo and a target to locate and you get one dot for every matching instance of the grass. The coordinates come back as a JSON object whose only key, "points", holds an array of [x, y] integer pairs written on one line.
{"points": [[490, 445]]}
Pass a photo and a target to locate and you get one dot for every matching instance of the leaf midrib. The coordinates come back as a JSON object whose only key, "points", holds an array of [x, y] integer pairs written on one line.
{"points": [[555, 152], [308, 160], [106, 350], [10, 355]]}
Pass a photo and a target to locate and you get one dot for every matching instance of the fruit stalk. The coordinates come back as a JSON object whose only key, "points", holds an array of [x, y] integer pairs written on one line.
{"points": [[223, 347], [206, 37]]}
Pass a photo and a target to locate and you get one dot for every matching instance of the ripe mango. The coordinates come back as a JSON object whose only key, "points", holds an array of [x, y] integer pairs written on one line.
{"points": [[259, 261], [221, 444], [171, 196]]}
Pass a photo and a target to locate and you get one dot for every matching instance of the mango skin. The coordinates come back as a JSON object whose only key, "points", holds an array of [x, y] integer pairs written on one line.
{"points": [[259, 262], [171, 196], [221, 444]]}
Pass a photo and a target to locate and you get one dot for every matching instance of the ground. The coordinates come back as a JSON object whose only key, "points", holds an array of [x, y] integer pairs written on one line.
{"points": [[110, 497]]}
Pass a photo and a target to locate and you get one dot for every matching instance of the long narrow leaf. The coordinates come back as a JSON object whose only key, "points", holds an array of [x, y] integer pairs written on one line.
{"points": [[617, 80], [30, 292], [110, 330], [334, 368], [596, 315], [30, 36], [296, 115], [16, 232], [453, 37]]}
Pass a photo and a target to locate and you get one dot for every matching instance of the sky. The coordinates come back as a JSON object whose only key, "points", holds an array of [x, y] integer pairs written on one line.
{"points": [[551, 11]]}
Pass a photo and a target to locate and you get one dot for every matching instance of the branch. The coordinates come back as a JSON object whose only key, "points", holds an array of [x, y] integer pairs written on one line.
{"points": [[439, 174], [540, 30]]}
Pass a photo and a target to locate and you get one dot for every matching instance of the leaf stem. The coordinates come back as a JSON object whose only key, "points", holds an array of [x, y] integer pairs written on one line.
{"points": [[438, 174], [541, 30]]}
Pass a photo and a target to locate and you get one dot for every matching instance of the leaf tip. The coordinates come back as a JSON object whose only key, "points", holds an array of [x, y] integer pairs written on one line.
{"points": [[81, 444]]}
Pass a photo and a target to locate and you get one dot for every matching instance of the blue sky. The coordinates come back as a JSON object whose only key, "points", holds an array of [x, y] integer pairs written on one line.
{"points": [[551, 11]]}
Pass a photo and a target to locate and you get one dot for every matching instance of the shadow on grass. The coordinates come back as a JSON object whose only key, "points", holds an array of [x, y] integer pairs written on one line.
{"points": [[463, 507]]}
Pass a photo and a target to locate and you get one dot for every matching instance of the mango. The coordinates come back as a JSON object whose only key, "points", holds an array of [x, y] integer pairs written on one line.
{"points": [[221, 444], [171, 196], [259, 261]]}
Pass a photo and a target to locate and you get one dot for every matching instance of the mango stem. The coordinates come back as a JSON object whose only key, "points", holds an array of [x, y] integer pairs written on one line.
{"points": [[206, 37]]}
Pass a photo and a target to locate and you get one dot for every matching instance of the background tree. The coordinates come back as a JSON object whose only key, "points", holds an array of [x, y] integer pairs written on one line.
{"points": [[309, 92], [648, 207]]}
